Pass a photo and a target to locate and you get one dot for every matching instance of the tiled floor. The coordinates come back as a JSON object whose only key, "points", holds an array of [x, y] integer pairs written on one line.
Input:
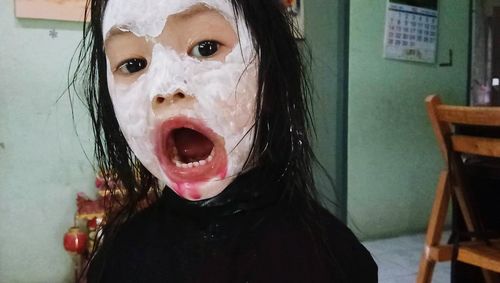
{"points": [[398, 259]]}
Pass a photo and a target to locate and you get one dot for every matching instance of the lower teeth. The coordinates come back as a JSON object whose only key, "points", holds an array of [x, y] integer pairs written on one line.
{"points": [[180, 164]]}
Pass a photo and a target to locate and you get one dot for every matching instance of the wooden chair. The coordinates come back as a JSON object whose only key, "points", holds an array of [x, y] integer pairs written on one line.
{"points": [[454, 148]]}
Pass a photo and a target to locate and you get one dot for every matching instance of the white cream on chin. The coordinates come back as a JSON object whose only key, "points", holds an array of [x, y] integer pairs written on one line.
{"points": [[224, 92]]}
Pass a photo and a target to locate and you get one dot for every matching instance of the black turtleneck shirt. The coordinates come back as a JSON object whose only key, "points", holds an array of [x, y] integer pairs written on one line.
{"points": [[242, 235]]}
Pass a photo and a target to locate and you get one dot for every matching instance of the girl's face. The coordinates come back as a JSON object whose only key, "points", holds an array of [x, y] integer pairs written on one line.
{"points": [[183, 81]]}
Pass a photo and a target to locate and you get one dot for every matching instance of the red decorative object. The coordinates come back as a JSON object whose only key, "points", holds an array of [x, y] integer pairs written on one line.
{"points": [[75, 240], [92, 224], [99, 181], [89, 208], [90, 216]]}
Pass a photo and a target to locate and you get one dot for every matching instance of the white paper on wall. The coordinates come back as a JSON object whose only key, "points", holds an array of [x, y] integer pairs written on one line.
{"points": [[411, 30]]}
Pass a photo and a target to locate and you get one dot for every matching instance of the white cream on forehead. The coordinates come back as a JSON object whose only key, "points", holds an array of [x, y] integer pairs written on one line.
{"points": [[148, 17], [225, 91]]}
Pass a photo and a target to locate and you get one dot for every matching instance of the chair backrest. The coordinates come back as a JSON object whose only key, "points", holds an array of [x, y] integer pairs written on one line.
{"points": [[448, 123], [445, 118]]}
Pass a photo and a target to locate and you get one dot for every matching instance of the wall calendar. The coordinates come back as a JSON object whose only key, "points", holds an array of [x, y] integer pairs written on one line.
{"points": [[411, 30]]}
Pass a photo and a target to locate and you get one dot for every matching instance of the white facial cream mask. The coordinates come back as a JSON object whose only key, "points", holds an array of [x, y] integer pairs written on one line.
{"points": [[187, 119]]}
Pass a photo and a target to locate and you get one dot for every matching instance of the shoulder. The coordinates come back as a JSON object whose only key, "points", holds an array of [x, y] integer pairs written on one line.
{"points": [[314, 248], [347, 251]]}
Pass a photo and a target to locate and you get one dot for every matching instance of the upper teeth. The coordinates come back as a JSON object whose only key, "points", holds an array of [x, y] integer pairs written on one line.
{"points": [[177, 161]]}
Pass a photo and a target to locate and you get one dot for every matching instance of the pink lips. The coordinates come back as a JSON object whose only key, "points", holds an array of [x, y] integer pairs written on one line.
{"points": [[186, 181]]}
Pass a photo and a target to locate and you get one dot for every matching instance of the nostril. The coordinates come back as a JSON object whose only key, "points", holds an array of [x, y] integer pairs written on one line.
{"points": [[160, 99], [180, 95], [161, 103]]}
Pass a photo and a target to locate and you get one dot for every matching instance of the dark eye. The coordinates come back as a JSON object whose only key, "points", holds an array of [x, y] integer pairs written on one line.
{"points": [[205, 49], [133, 66]]}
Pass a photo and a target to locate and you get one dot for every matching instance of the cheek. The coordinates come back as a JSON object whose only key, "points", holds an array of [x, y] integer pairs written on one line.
{"points": [[131, 110], [240, 106], [228, 96], [131, 103], [235, 115]]}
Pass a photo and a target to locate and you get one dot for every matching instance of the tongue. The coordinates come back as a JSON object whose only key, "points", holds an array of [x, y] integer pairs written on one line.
{"points": [[191, 145]]}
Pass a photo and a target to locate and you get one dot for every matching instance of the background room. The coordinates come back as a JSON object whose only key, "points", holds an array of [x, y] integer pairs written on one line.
{"points": [[373, 134]]}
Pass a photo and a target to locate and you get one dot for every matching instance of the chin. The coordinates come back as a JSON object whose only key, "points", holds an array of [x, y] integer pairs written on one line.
{"points": [[199, 191]]}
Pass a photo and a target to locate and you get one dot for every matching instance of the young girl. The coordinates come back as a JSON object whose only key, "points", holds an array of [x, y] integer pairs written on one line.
{"points": [[205, 102]]}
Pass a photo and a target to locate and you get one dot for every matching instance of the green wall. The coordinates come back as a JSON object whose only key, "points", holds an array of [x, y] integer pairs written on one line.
{"points": [[322, 35], [393, 160], [42, 165]]}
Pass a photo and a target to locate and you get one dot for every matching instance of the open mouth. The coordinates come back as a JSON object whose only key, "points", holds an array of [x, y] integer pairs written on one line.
{"points": [[190, 148], [189, 152]]}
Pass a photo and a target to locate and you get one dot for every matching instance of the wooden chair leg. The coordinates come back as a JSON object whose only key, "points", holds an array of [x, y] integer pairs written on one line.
{"points": [[490, 276], [435, 227], [425, 270], [471, 223], [465, 208]]}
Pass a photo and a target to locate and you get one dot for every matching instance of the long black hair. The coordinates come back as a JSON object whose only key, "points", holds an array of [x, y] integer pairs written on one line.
{"points": [[283, 126]]}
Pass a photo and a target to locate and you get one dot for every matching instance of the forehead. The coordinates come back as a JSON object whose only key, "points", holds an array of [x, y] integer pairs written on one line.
{"points": [[148, 17]]}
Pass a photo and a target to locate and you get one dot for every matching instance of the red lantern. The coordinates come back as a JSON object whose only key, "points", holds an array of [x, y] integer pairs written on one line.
{"points": [[75, 241]]}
